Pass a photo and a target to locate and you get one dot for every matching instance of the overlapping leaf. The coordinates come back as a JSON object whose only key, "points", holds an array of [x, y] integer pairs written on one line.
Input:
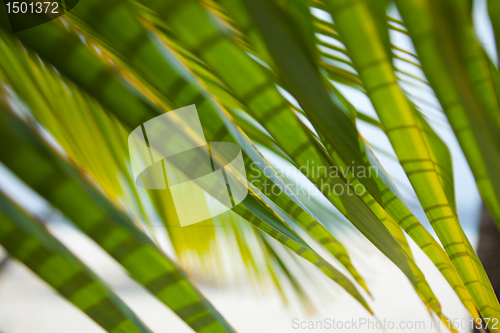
{"points": [[189, 94], [66, 189], [28, 241], [402, 128]]}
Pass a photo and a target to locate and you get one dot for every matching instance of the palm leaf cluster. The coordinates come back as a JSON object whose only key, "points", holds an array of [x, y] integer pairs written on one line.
{"points": [[264, 74]]}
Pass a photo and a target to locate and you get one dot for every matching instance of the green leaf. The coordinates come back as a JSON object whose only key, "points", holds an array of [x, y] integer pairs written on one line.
{"points": [[354, 24], [28, 241], [386, 195], [435, 67], [183, 90], [494, 13], [258, 93], [57, 181], [315, 101]]}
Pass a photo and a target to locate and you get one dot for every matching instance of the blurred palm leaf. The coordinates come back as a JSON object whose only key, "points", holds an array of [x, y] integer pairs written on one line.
{"points": [[267, 76], [30, 243]]}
